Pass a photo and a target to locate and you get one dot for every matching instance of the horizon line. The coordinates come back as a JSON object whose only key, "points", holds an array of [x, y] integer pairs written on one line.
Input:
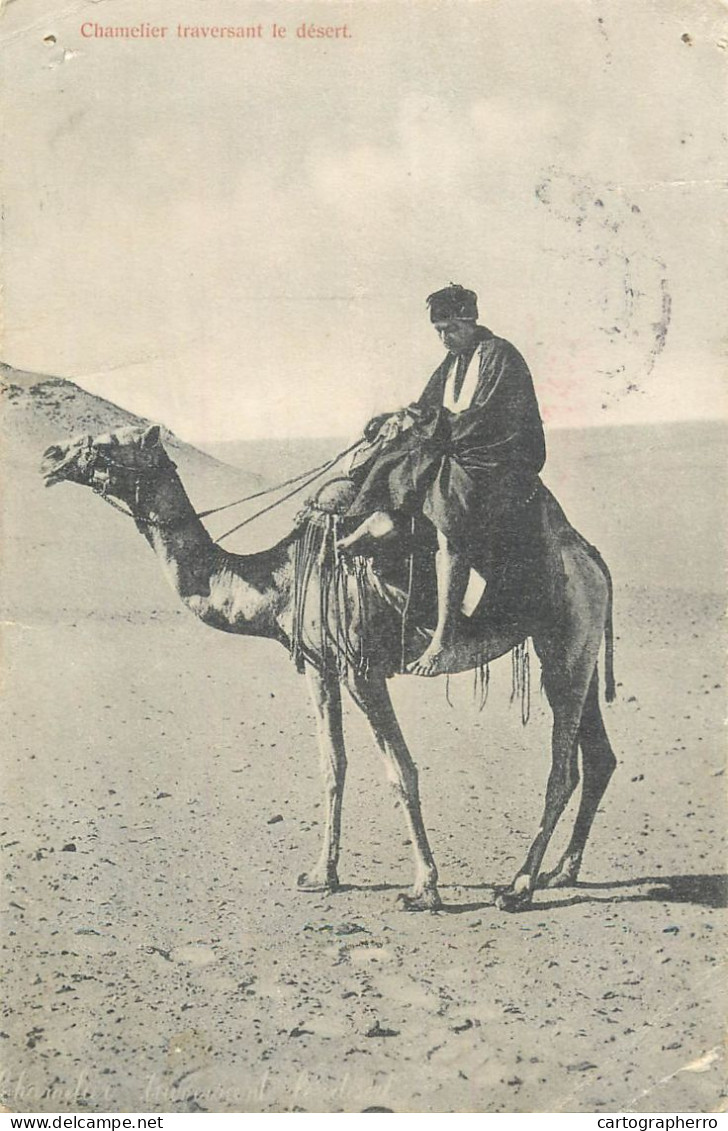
{"points": [[585, 426]]}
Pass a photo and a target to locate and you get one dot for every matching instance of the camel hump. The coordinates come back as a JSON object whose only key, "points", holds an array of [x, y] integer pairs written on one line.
{"points": [[552, 509]]}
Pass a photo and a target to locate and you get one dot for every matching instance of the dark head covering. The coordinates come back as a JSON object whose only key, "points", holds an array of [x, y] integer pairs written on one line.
{"points": [[453, 302]]}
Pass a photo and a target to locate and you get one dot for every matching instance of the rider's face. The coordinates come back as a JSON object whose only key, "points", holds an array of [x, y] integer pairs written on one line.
{"points": [[456, 335]]}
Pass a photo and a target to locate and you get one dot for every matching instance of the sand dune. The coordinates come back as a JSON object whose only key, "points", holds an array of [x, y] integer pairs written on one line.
{"points": [[162, 794], [42, 576]]}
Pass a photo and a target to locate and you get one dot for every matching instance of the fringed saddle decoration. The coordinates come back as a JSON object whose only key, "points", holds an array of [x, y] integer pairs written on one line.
{"points": [[336, 634], [338, 622], [521, 687], [521, 668]]}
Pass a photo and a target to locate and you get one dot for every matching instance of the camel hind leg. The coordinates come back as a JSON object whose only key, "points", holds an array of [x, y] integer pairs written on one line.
{"points": [[569, 662], [598, 765], [562, 782]]}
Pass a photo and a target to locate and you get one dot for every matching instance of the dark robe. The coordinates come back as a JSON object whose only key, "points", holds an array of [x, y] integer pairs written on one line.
{"points": [[470, 473]]}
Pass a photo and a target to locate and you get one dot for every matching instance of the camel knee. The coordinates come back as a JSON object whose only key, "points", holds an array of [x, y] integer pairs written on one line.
{"points": [[571, 775], [605, 767], [333, 774], [404, 780], [599, 760], [565, 763], [608, 762], [596, 780], [333, 783], [565, 749], [561, 785]]}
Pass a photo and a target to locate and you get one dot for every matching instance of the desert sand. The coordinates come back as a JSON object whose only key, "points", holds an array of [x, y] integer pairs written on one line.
{"points": [[161, 795]]}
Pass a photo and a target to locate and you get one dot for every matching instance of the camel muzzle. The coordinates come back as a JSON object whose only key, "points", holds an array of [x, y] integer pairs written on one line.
{"points": [[56, 464], [52, 465]]}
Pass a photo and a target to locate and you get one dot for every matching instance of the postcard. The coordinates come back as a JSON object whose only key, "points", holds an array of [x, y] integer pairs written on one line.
{"points": [[363, 556]]}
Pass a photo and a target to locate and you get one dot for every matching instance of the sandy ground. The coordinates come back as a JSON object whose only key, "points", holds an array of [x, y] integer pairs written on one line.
{"points": [[161, 795]]}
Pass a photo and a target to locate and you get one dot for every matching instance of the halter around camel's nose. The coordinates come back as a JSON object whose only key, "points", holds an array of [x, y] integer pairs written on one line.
{"points": [[98, 474], [95, 467], [99, 466]]}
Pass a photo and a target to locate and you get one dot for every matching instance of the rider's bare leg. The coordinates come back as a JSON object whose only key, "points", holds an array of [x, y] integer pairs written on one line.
{"points": [[375, 526], [453, 571]]}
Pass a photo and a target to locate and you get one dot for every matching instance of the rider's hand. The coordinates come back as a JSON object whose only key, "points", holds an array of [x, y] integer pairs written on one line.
{"points": [[391, 428], [389, 425], [371, 430]]}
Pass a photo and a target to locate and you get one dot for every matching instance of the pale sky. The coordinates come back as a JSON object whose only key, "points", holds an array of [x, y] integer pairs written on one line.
{"points": [[236, 237]]}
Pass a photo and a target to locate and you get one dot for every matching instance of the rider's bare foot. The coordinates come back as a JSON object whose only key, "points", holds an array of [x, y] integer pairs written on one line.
{"points": [[433, 661], [377, 527]]}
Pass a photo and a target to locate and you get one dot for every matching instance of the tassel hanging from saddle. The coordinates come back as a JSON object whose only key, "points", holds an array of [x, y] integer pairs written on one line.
{"points": [[481, 683], [306, 551], [342, 601], [521, 675]]}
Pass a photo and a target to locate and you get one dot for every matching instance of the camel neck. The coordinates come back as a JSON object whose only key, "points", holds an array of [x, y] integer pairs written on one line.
{"points": [[166, 518], [233, 592]]}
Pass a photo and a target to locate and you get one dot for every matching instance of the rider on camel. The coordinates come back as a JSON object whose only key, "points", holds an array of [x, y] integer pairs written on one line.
{"points": [[466, 455]]}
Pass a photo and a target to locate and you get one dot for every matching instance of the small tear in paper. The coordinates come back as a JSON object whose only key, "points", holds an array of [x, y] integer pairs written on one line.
{"points": [[703, 1063]]}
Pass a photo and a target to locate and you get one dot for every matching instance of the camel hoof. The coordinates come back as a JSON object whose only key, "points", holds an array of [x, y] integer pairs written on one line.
{"points": [[313, 883], [513, 901], [556, 879], [428, 900]]}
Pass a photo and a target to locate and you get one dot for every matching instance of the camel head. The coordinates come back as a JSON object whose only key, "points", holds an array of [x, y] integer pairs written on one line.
{"points": [[113, 463]]}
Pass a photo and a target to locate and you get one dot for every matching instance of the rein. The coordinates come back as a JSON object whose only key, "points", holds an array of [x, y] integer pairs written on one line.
{"points": [[100, 485], [308, 477]]}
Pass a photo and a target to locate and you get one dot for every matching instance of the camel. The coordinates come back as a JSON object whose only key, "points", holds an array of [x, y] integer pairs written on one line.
{"points": [[254, 595]]}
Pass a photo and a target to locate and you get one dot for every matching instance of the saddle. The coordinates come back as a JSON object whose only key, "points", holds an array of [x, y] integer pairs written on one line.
{"points": [[513, 565]]}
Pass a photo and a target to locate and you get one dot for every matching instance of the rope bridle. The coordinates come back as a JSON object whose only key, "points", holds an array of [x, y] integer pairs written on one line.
{"points": [[97, 465]]}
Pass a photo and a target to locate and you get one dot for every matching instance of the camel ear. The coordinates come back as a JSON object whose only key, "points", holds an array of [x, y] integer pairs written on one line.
{"points": [[150, 439]]}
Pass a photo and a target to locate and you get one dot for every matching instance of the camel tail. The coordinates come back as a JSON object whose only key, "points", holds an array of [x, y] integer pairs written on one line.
{"points": [[610, 690]]}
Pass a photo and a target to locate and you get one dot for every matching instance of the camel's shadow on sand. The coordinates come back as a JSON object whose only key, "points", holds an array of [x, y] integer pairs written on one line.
{"points": [[700, 890]]}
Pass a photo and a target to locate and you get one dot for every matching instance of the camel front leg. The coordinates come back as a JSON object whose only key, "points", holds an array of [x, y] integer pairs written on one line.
{"points": [[372, 697], [326, 698]]}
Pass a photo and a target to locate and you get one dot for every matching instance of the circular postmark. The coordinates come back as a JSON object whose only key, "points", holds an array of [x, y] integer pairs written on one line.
{"points": [[609, 297]]}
